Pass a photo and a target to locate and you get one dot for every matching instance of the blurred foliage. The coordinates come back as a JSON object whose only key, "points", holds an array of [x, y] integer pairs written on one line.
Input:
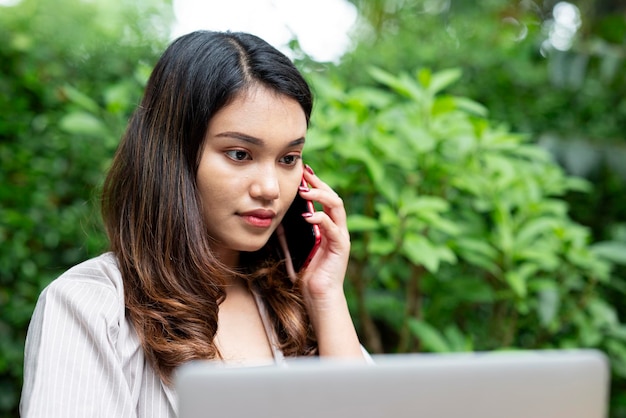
{"points": [[461, 227], [461, 238], [70, 73], [571, 101], [504, 48]]}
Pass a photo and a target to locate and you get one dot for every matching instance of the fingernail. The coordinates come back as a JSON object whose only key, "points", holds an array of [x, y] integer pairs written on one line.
{"points": [[307, 214], [304, 189], [309, 169]]}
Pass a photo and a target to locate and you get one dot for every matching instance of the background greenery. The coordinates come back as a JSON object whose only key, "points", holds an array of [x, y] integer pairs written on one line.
{"points": [[483, 171]]}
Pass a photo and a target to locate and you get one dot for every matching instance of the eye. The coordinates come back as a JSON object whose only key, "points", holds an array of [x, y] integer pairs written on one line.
{"points": [[290, 159], [238, 155]]}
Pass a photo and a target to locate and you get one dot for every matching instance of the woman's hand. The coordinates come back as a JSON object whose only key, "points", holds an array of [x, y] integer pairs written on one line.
{"points": [[323, 278]]}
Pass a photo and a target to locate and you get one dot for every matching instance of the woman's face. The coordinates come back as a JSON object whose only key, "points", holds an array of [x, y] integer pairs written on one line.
{"points": [[250, 169]]}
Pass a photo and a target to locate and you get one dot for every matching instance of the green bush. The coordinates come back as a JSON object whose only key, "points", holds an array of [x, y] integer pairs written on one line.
{"points": [[461, 237], [70, 73], [461, 240]]}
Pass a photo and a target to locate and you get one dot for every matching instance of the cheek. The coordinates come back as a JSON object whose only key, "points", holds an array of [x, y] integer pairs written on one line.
{"points": [[204, 200], [213, 181], [204, 188], [215, 195], [209, 194], [290, 186]]}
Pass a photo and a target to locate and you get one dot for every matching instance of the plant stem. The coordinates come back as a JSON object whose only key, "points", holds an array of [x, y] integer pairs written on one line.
{"points": [[371, 336], [413, 309]]}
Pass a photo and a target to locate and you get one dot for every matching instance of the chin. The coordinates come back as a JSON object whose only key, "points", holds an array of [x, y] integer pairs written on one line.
{"points": [[253, 245], [251, 248]]}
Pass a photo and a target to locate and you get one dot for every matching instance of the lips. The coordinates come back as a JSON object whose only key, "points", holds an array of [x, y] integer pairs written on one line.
{"points": [[260, 218]]}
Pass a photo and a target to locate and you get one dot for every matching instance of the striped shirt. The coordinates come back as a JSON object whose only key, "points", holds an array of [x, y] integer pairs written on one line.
{"points": [[83, 357]]}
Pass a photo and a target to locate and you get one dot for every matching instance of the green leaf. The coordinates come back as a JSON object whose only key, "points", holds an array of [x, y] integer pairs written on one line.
{"points": [[393, 151], [389, 80], [387, 216], [540, 255], [549, 304], [413, 204], [602, 313], [477, 246], [380, 246], [443, 105], [443, 79], [423, 76], [372, 97], [402, 85], [517, 283], [470, 106], [577, 184], [446, 254], [471, 289], [82, 100], [118, 97], [503, 229], [420, 252], [430, 338], [457, 342], [82, 123], [480, 253], [419, 139], [376, 170], [436, 222], [362, 223], [533, 230], [386, 306], [614, 251]]}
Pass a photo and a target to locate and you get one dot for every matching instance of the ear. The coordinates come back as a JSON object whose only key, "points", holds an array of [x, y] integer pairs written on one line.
{"points": [[291, 272]]}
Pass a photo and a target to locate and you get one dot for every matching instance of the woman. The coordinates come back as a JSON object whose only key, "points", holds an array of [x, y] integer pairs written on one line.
{"points": [[209, 164]]}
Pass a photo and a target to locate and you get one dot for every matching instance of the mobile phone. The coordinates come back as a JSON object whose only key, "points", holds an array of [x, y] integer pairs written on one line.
{"points": [[303, 239]]}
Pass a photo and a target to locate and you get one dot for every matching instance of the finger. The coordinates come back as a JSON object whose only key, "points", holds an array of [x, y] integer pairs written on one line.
{"points": [[336, 236], [321, 192], [315, 181], [331, 202]]}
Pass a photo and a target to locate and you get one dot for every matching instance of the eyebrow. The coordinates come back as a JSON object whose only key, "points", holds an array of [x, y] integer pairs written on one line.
{"points": [[255, 141]]}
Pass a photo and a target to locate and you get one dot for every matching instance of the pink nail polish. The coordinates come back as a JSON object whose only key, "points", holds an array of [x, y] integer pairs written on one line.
{"points": [[304, 189], [307, 214], [309, 169]]}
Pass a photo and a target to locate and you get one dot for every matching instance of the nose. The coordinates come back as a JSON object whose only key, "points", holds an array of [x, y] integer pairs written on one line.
{"points": [[265, 185]]}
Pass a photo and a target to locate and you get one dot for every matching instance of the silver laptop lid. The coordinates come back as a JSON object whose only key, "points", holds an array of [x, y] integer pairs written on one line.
{"points": [[526, 384]]}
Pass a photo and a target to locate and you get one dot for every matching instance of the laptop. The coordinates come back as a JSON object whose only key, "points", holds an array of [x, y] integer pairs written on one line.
{"points": [[520, 384]]}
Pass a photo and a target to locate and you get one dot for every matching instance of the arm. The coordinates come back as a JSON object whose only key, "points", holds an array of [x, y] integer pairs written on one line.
{"points": [[71, 366], [323, 278]]}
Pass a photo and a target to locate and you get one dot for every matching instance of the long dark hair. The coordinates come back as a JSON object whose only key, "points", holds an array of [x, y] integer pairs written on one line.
{"points": [[173, 283]]}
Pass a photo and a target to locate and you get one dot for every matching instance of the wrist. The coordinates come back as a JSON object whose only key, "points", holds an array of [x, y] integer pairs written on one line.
{"points": [[334, 329], [325, 313], [327, 300]]}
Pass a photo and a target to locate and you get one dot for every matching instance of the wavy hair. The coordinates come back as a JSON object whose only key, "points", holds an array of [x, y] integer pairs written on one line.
{"points": [[173, 282]]}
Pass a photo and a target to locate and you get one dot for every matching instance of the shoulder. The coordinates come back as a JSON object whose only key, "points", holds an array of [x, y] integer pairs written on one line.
{"points": [[93, 285], [84, 303], [102, 270], [98, 272], [82, 356]]}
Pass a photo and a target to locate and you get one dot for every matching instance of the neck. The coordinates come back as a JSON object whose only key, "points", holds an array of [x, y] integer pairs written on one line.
{"points": [[229, 258]]}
